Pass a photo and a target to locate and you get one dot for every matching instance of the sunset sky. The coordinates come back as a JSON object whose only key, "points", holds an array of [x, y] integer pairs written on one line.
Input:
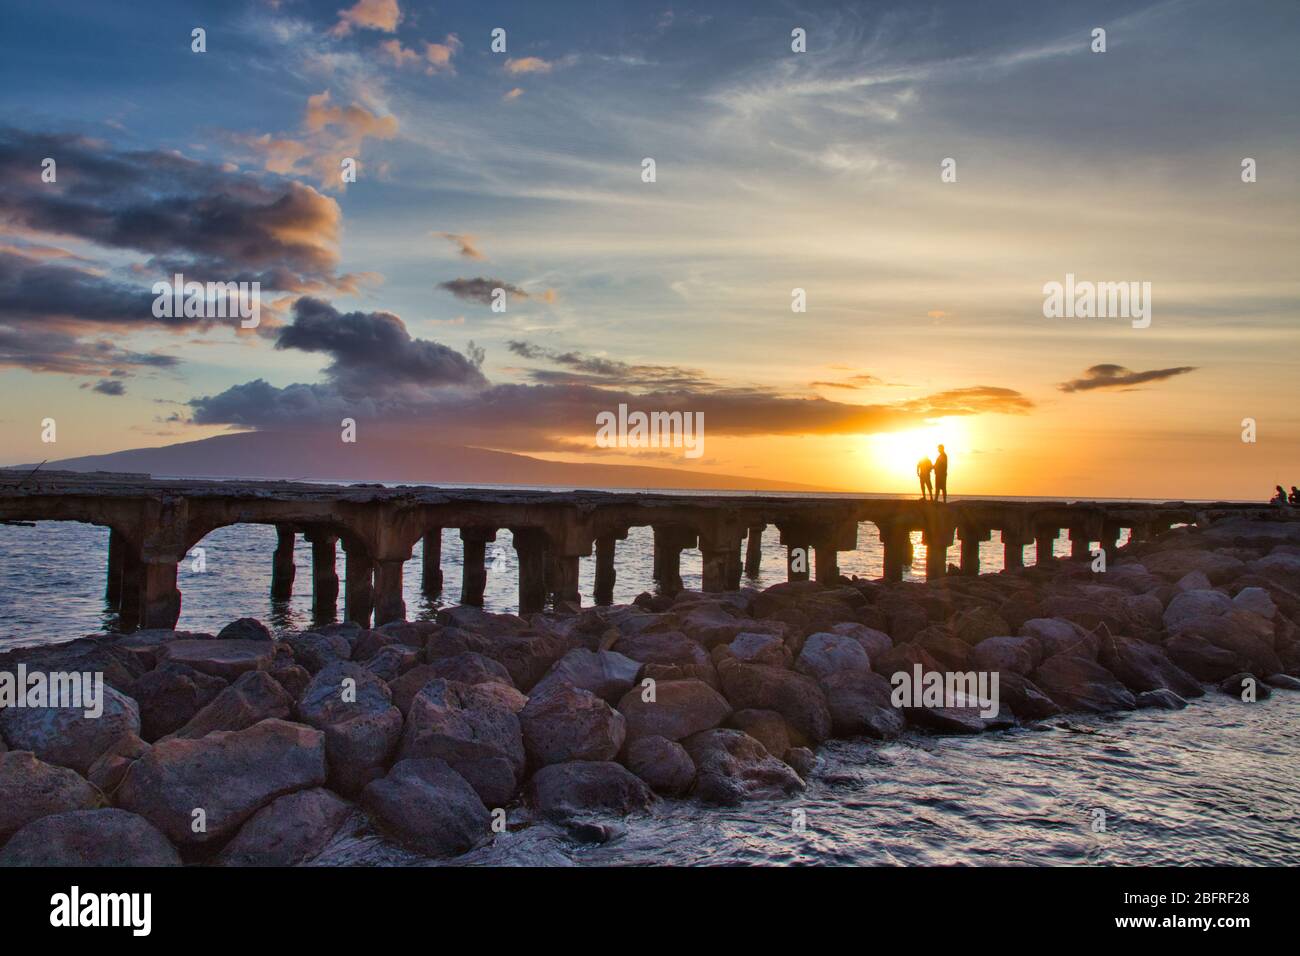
{"points": [[775, 170]]}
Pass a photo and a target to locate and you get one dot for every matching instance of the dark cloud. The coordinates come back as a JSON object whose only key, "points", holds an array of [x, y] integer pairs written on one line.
{"points": [[480, 289], [109, 387], [579, 369], [54, 350], [1117, 376]]}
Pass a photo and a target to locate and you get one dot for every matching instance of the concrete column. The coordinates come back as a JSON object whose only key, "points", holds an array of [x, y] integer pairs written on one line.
{"points": [[669, 542], [565, 567], [936, 555], [734, 565], [128, 614], [431, 563], [324, 576], [897, 545], [1013, 551], [474, 567], [359, 586], [1043, 541], [160, 599], [117, 547], [754, 551], [796, 564], [283, 570], [713, 569], [1110, 541], [530, 548], [970, 556], [828, 565], [1080, 545], [606, 573], [389, 604]]}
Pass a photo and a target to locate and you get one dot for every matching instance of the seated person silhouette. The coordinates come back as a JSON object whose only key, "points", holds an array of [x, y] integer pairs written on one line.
{"points": [[1294, 497], [1278, 499]]}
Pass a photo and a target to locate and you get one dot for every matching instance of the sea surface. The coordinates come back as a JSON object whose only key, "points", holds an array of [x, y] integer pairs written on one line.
{"points": [[1212, 784]]}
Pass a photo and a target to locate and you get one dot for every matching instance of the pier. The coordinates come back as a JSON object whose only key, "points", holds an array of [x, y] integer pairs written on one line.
{"points": [[154, 523]]}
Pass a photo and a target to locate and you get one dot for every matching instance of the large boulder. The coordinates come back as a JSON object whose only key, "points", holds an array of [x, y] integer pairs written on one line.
{"points": [[1141, 666], [1199, 658], [255, 696], [229, 775], [287, 831], [468, 667], [679, 708], [67, 736], [564, 790], [1056, 635], [977, 624], [662, 763], [1246, 635], [607, 674], [796, 697], [107, 772], [224, 659], [1173, 565], [313, 649], [428, 807], [1023, 698], [1256, 600], [669, 648], [1077, 683], [564, 723], [732, 767], [1016, 655], [170, 695], [826, 654], [766, 726], [355, 710], [1190, 607], [873, 641], [754, 647], [1246, 687], [104, 837], [859, 705], [473, 731], [30, 789], [245, 629]]}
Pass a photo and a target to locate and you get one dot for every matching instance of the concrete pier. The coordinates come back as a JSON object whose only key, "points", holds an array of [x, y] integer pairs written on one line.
{"points": [[154, 524]]}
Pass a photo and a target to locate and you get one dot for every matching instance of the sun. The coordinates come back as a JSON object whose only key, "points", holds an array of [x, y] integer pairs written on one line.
{"points": [[894, 454]]}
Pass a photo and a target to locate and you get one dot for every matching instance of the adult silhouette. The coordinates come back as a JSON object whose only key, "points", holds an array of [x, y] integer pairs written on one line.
{"points": [[923, 469], [941, 475]]}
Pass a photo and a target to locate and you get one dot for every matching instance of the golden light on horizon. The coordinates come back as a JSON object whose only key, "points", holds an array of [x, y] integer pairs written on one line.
{"points": [[895, 454]]}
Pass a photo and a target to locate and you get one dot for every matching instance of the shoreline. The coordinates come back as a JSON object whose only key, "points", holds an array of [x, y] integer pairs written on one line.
{"points": [[443, 733]]}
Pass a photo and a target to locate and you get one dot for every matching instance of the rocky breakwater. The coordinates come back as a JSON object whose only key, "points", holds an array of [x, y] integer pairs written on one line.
{"points": [[240, 749]]}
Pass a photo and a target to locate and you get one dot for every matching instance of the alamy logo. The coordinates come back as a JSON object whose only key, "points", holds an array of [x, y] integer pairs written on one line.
{"points": [[74, 909], [213, 300], [1098, 300], [78, 691], [953, 689], [651, 430]]}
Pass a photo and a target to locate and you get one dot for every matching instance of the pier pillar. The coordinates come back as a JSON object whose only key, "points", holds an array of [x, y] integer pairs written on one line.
{"points": [[117, 547], [970, 549], [1080, 545], [606, 573], [668, 543], [896, 542], [827, 565], [1013, 550], [324, 576], [720, 557], [530, 549], [798, 558], [1043, 542], [473, 580], [937, 541], [283, 570], [431, 563], [754, 551], [389, 603], [358, 585], [565, 583], [160, 599], [1110, 534], [128, 614]]}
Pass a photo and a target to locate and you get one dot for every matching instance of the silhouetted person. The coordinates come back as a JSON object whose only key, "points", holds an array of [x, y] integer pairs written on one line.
{"points": [[1294, 497], [941, 475], [923, 469], [1280, 497]]}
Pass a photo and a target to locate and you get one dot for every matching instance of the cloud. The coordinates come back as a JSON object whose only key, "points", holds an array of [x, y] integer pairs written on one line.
{"points": [[513, 94], [438, 55], [577, 368], [464, 242], [109, 387], [528, 64], [398, 55], [853, 382], [974, 400], [480, 290], [381, 15], [1117, 376]]}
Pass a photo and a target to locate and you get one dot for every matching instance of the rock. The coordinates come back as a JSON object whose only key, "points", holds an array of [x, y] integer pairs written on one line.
{"points": [[252, 698], [607, 674], [669, 647], [565, 723], [680, 708], [1076, 683], [1241, 686], [1161, 699], [796, 697], [754, 647], [355, 710], [104, 837], [30, 789], [468, 667], [65, 735], [229, 775], [562, 790], [107, 772], [827, 654], [1141, 666], [711, 625], [1016, 655], [224, 659], [979, 623], [287, 831], [1256, 600], [390, 663], [938, 641], [428, 807], [765, 726], [948, 720], [1174, 565], [859, 705], [732, 767], [1193, 581], [873, 641], [245, 629], [662, 763], [294, 678], [473, 731], [1023, 698], [411, 683], [1058, 636], [1282, 682], [313, 650], [1199, 658], [902, 659], [801, 760], [170, 696], [503, 695], [1245, 634], [1189, 607]]}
